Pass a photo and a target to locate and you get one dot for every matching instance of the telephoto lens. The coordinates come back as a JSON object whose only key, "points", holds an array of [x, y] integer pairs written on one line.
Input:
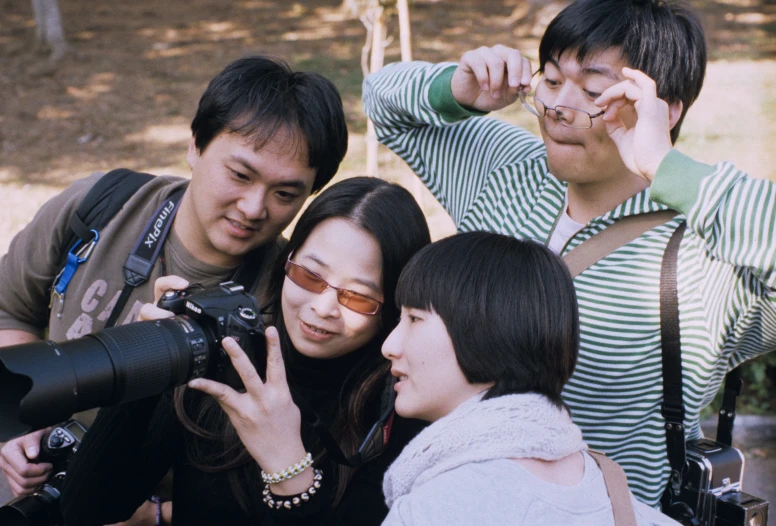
{"points": [[44, 383]]}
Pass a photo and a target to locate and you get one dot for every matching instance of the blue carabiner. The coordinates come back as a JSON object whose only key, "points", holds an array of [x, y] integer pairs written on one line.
{"points": [[74, 258]]}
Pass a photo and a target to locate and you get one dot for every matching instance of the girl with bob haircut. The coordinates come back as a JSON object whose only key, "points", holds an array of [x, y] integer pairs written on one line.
{"points": [[488, 337], [250, 457]]}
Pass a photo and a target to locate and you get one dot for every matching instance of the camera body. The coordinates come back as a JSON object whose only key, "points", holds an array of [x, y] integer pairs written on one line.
{"points": [[222, 311], [60, 444], [41, 508], [711, 487]]}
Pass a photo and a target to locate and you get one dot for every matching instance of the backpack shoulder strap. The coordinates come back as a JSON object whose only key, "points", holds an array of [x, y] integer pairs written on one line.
{"points": [[96, 209], [100, 204]]}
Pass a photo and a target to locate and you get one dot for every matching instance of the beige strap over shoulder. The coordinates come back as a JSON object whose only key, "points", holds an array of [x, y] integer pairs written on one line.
{"points": [[613, 237], [617, 487]]}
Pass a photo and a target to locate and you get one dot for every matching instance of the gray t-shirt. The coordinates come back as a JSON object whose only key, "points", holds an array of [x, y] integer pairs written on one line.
{"points": [[501, 492]]}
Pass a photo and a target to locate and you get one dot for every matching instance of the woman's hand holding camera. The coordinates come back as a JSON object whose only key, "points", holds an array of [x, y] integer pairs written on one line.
{"points": [[265, 416]]}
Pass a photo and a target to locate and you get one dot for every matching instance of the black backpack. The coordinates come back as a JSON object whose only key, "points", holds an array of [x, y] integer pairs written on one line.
{"points": [[96, 209], [99, 205]]}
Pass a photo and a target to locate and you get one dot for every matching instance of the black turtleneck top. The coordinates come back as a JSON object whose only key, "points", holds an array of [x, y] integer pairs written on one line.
{"points": [[130, 447]]}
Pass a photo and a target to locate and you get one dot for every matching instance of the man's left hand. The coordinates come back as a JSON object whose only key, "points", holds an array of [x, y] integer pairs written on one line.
{"points": [[643, 145]]}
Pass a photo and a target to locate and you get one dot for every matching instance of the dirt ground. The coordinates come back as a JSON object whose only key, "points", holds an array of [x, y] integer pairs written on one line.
{"points": [[126, 93]]}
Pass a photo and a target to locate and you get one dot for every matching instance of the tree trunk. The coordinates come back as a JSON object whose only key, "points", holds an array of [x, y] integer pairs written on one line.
{"points": [[405, 35], [48, 29], [405, 40], [376, 62]]}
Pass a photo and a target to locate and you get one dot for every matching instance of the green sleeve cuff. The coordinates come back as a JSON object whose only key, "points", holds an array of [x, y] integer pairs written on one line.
{"points": [[678, 181], [441, 99]]}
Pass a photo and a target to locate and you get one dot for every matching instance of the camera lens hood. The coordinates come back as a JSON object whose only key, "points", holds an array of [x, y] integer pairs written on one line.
{"points": [[39, 386]]}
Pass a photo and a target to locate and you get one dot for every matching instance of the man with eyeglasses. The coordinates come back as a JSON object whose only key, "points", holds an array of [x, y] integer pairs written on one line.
{"points": [[615, 80]]}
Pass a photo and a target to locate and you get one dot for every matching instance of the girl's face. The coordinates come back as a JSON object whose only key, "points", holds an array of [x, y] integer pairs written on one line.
{"points": [[431, 383], [346, 257]]}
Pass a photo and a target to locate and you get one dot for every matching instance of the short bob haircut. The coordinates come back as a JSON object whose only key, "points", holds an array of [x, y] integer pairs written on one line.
{"points": [[509, 306], [260, 96], [662, 38]]}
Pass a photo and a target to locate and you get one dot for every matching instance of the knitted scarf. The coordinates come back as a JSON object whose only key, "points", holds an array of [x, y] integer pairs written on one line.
{"points": [[509, 426]]}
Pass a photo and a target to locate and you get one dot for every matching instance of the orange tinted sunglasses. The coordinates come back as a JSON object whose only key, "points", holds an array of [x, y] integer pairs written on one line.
{"points": [[312, 282]]}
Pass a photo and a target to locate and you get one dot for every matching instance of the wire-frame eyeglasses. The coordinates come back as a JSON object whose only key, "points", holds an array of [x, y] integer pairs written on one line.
{"points": [[571, 117]]}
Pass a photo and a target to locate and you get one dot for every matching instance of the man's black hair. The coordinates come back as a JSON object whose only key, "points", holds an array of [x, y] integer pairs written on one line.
{"points": [[260, 96], [662, 38], [509, 306]]}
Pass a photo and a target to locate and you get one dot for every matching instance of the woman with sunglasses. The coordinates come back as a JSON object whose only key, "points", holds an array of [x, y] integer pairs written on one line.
{"points": [[290, 448]]}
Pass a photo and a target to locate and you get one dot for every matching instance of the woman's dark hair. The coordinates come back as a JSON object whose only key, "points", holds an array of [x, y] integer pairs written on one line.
{"points": [[662, 38], [509, 306], [392, 216], [260, 96]]}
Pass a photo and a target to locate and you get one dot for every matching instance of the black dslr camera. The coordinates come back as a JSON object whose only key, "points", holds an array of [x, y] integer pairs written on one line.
{"points": [[43, 383], [711, 489], [41, 508], [222, 311]]}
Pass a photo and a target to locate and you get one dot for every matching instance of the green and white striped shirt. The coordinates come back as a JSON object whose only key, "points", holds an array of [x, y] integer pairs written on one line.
{"points": [[493, 176]]}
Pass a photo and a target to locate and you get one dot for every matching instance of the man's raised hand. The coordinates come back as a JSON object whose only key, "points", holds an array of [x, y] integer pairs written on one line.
{"points": [[489, 78], [643, 143]]}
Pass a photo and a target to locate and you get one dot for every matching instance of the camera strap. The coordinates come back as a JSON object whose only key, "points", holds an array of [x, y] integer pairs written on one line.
{"points": [[672, 408], [604, 243], [673, 405], [249, 273], [140, 262], [376, 440], [727, 413]]}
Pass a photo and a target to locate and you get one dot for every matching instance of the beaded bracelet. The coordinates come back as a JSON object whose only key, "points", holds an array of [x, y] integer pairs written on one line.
{"points": [[286, 501], [158, 501], [288, 473]]}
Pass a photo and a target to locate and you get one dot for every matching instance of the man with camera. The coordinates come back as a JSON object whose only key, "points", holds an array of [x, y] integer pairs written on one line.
{"points": [[264, 139], [615, 80]]}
